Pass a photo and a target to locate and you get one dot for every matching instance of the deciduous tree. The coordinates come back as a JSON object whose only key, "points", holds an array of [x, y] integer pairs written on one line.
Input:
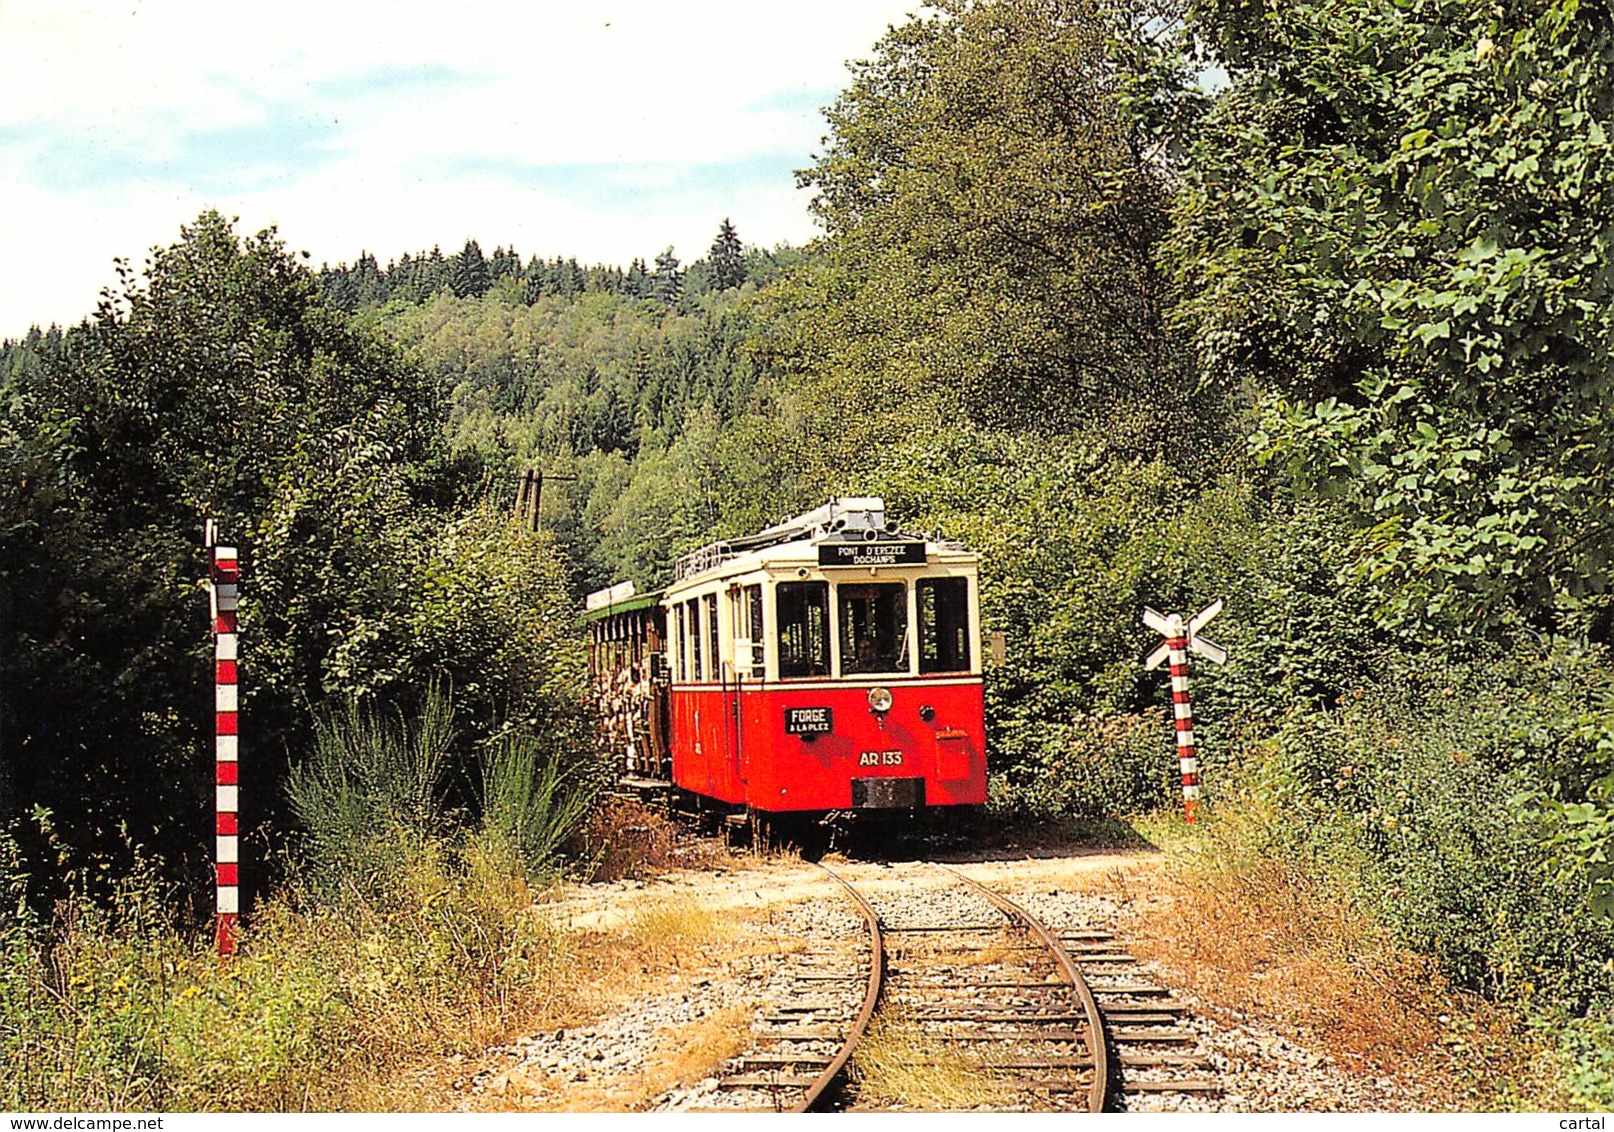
{"points": [[1397, 223]]}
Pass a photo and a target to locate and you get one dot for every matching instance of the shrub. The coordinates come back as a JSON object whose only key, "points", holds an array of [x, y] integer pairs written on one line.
{"points": [[369, 778], [1422, 779], [1092, 766], [448, 953], [626, 838], [531, 806], [1588, 1047]]}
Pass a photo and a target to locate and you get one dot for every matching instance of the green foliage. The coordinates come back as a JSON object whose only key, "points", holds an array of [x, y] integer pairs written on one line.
{"points": [[727, 258], [1091, 766], [470, 275], [1418, 774], [1588, 1047], [1302, 627], [367, 777], [1394, 224], [651, 410], [202, 390], [220, 385], [377, 779], [667, 281], [1580, 833], [565, 375], [531, 806]]}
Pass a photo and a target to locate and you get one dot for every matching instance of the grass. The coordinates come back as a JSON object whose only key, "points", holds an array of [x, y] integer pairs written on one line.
{"points": [[319, 1002], [671, 927], [696, 1049], [1284, 940], [661, 946], [900, 1064]]}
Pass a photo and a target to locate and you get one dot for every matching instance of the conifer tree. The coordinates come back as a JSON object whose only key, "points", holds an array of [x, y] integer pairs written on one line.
{"points": [[536, 277], [370, 287], [728, 258], [668, 282], [470, 277], [504, 261], [638, 280], [434, 270]]}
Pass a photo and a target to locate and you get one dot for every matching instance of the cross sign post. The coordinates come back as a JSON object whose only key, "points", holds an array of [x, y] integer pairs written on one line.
{"points": [[224, 594], [1182, 637]]}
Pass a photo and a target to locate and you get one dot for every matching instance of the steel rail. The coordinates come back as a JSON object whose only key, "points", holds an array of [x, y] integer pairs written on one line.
{"points": [[1098, 1094], [820, 1090]]}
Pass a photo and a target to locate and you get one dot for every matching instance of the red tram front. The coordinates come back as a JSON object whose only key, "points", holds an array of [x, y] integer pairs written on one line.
{"points": [[828, 663]]}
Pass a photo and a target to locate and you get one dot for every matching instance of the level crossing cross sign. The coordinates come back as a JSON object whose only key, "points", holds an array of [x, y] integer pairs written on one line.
{"points": [[1183, 637]]}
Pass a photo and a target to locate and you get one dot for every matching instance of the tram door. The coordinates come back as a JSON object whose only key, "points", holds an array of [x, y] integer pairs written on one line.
{"points": [[745, 615]]}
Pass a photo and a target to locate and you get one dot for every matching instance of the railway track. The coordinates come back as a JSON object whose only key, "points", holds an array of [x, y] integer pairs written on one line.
{"points": [[964, 984]]}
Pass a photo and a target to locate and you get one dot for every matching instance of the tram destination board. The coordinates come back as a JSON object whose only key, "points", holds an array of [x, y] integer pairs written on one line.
{"points": [[907, 552], [809, 721]]}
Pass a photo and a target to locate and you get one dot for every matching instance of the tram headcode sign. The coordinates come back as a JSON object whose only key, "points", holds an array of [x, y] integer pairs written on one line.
{"points": [[809, 720]]}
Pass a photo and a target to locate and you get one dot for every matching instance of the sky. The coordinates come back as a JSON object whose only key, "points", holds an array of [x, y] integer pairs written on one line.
{"points": [[604, 130]]}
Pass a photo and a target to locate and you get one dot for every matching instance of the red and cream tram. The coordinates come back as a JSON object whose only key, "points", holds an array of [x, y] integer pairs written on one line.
{"points": [[827, 663]]}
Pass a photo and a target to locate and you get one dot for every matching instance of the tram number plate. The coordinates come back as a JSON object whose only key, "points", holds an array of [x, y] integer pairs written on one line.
{"points": [[809, 720], [879, 758]]}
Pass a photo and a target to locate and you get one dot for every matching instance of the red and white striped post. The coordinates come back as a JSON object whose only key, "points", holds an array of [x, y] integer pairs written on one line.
{"points": [[1181, 638], [225, 591]]}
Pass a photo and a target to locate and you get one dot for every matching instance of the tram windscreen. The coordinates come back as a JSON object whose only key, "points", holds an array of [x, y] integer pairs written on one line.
{"points": [[803, 609], [874, 627], [944, 624]]}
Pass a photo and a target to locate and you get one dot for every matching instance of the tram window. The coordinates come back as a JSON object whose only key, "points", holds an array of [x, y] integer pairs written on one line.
{"points": [[874, 627], [697, 645], [753, 605], [713, 656], [803, 609], [944, 624], [675, 642]]}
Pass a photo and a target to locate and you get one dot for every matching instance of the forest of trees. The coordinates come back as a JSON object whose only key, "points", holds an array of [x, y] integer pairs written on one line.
{"points": [[1307, 306]]}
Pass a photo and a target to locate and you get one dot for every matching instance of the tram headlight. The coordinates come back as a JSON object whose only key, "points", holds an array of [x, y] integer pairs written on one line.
{"points": [[879, 700]]}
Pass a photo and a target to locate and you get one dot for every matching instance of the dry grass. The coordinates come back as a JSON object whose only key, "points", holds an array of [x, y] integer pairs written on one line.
{"points": [[672, 926], [694, 1050], [992, 953], [1273, 939], [900, 1065], [683, 1055], [663, 940], [624, 838]]}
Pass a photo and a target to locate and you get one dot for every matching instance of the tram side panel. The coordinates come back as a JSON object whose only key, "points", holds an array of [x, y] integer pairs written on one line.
{"points": [[704, 751]]}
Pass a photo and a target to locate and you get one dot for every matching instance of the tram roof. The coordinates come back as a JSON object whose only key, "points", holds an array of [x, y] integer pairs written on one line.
{"points": [[855, 526], [805, 552], [627, 605]]}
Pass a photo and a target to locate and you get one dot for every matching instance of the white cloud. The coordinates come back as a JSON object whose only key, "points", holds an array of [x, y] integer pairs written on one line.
{"points": [[402, 125]]}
